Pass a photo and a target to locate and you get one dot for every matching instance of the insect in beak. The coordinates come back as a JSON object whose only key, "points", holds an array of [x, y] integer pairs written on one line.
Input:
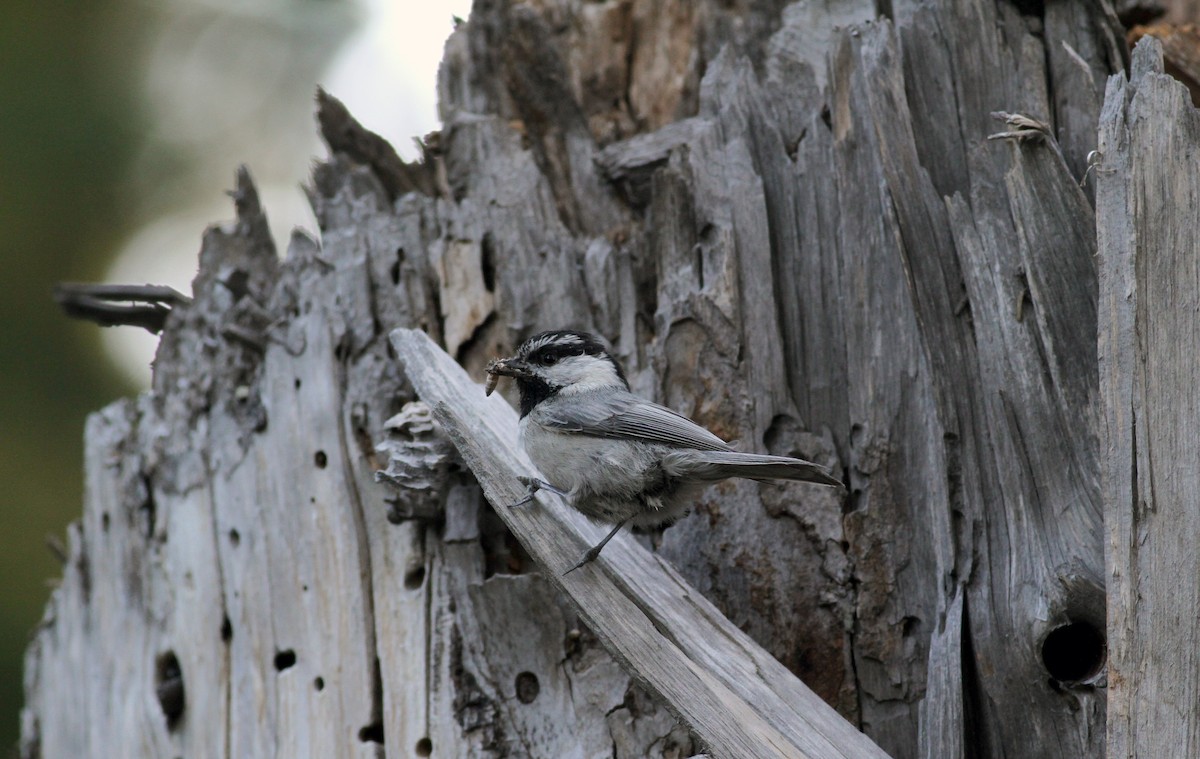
{"points": [[493, 377], [503, 367]]}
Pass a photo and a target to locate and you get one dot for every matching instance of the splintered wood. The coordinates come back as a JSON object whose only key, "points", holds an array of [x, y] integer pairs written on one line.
{"points": [[790, 225]]}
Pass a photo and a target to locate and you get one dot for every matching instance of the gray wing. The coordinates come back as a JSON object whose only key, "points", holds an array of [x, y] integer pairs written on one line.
{"points": [[620, 414], [720, 465]]}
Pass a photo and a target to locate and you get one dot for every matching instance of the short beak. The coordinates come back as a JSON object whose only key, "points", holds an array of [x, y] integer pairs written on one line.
{"points": [[506, 367]]}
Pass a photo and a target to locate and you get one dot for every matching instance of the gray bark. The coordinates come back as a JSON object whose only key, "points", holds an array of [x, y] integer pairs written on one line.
{"points": [[812, 251], [1148, 207]]}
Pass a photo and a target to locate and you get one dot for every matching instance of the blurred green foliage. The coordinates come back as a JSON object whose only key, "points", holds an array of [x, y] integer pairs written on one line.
{"points": [[68, 126]]}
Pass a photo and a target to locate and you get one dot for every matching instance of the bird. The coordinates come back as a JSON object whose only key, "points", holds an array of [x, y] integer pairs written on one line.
{"points": [[616, 457]]}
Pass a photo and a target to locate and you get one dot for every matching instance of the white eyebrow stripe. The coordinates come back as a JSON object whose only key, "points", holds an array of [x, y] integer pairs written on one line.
{"points": [[551, 340]]}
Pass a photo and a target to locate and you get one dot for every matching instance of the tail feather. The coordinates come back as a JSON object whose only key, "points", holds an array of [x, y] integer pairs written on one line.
{"points": [[720, 465]]}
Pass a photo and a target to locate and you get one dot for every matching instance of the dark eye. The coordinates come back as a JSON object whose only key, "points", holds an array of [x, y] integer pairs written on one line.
{"points": [[550, 359]]}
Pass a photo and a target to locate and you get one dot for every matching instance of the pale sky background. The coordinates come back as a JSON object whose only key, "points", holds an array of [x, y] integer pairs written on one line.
{"points": [[233, 82]]}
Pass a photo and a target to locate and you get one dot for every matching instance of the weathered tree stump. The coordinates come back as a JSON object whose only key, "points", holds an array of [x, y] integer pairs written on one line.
{"points": [[789, 222]]}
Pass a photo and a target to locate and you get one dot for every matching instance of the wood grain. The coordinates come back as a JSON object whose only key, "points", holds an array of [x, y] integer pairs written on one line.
{"points": [[1148, 210], [790, 224]]}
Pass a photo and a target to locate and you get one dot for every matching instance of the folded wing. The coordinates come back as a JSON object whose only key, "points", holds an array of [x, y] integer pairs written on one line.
{"points": [[719, 465], [623, 415]]}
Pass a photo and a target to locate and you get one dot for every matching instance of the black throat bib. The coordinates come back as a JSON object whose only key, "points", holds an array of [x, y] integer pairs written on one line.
{"points": [[533, 391]]}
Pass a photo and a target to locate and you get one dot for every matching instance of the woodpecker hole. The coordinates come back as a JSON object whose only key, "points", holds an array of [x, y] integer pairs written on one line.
{"points": [[1074, 652], [319, 684], [168, 687], [320, 459], [414, 577], [284, 660], [527, 687], [372, 733], [424, 747]]}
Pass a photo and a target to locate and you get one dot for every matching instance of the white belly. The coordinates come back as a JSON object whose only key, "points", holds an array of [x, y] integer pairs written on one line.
{"points": [[578, 462], [607, 479]]}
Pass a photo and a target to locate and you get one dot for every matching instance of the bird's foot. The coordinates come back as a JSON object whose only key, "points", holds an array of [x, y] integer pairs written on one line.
{"points": [[532, 486], [588, 557], [595, 550]]}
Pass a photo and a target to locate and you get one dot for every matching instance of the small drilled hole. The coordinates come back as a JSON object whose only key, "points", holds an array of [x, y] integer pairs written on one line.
{"points": [[284, 660], [424, 747], [372, 733], [527, 687], [319, 684], [226, 629], [168, 687], [104, 521], [320, 459], [1074, 652], [414, 578], [235, 537]]}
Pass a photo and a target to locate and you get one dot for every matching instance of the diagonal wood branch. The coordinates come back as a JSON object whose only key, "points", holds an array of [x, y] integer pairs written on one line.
{"points": [[737, 698]]}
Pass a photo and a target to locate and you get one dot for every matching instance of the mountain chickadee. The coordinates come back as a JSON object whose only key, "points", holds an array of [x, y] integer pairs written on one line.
{"points": [[618, 458]]}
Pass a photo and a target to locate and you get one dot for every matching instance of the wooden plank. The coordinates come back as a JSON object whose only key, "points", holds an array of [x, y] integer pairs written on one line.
{"points": [[1148, 211], [734, 696]]}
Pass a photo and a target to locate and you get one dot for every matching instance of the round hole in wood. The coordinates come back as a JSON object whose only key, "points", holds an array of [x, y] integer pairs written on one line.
{"points": [[285, 660], [527, 687], [424, 747], [414, 577], [1074, 652]]}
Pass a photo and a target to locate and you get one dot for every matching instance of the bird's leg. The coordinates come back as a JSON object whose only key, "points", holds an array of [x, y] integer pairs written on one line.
{"points": [[595, 550], [533, 485]]}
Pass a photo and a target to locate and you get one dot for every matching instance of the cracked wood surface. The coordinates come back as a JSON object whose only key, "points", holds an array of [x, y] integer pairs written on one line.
{"points": [[787, 220]]}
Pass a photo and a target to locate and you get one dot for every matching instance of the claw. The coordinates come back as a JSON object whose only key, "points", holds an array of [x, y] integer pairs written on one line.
{"points": [[532, 486], [594, 552], [588, 557]]}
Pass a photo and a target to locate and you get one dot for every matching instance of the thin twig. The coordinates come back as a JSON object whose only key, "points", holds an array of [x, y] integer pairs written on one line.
{"points": [[145, 306]]}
